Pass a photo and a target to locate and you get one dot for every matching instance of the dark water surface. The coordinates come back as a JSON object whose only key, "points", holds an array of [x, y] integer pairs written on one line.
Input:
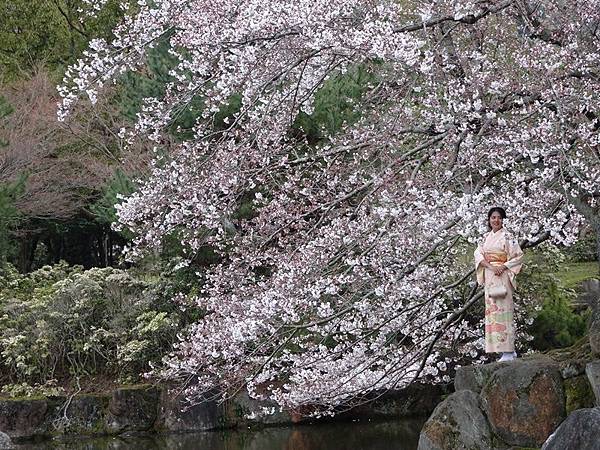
{"points": [[391, 435]]}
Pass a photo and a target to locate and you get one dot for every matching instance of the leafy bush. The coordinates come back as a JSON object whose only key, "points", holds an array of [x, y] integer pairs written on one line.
{"points": [[554, 324], [584, 249], [48, 389], [62, 322]]}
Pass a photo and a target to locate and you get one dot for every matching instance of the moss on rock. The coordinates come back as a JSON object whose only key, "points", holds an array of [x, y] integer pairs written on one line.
{"points": [[578, 393]]}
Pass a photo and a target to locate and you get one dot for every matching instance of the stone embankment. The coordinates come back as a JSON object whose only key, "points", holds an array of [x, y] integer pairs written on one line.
{"points": [[147, 409], [550, 401]]}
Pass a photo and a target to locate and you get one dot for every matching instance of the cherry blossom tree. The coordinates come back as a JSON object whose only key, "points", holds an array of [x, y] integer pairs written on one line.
{"points": [[348, 276]]}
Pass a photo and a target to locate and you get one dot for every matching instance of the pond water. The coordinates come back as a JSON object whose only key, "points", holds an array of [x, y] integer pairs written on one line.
{"points": [[390, 435]]}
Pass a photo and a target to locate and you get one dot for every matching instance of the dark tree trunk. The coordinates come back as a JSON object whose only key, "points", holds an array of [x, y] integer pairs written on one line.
{"points": [[111, 259], [49, 250], [56, 247], [27, 247], [103, 247]]}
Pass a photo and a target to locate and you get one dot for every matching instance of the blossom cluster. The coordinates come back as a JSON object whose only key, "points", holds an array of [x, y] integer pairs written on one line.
{"points": [[347, 277]]}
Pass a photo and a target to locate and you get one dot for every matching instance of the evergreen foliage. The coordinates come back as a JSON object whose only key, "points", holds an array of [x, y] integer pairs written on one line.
{"points": [[335, 104], [557, 325], [584, 249], [9, 216], [50, 33], [135, 87], [104, 208], [5, 110]]}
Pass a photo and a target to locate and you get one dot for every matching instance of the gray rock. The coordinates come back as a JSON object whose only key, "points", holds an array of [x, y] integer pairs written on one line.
{"points": [[524, 401], [578, 432], [594, 337], [578, 393], [474, 378], [417, 399], [457, 423], [132, 409], [176, 414], [5, 441], [572, 368], [592, 370], [590, 291]]}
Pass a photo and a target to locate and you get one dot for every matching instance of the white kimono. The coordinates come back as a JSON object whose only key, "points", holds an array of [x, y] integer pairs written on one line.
{"points": [[501, 249]]}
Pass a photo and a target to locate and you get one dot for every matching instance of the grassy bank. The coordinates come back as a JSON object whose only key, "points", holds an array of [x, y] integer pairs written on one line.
{"points": [[572, 274]]}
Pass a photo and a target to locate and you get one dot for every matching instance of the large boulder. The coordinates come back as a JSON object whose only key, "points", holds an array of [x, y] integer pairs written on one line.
{"points": [[457, 423], [578, 432], [414, 400], [571, 368], [524, 401], [592, 370], [474, 378], [242, 410], [132, 408], [417, 399]]}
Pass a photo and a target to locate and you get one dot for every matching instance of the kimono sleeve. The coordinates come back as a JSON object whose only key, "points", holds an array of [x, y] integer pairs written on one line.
{"points": [[479, 257], [515, 256], [515, 260]]}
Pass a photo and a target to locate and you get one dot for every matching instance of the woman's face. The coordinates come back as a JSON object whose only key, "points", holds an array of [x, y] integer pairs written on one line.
{"points": [[496, 221]]}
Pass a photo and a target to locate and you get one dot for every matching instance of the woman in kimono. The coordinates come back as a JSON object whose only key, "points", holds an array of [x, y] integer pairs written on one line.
{"points": [[498, 259]]}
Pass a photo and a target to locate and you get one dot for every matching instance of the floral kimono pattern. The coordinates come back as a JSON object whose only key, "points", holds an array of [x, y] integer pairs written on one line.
{"points": [[501, 248]]}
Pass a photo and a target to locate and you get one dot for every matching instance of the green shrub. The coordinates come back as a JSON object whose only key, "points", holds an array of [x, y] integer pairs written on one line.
{"points": [[48, 389], [557, 325], [584, 249], [62, 322], [553, 323]]}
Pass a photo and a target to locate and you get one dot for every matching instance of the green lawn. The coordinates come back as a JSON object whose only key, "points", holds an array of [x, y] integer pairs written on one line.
{"points": [[572, 274]]}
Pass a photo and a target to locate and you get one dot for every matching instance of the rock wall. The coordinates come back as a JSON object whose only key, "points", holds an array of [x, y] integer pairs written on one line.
{"points": [[150, 409]]}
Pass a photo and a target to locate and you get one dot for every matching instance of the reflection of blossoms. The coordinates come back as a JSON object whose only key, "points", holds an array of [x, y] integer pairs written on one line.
{"points": [[346, 277]]}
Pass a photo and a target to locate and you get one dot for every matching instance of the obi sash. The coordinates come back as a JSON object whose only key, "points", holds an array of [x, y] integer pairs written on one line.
{"points": [[496, 258]]}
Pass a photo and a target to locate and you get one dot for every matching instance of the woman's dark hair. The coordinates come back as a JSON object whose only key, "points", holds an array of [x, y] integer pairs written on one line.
{"points": [[497, 209]]}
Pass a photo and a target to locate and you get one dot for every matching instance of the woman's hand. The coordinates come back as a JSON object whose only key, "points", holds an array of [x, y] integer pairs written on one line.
{"points": [[499, 270], [485, 263]]}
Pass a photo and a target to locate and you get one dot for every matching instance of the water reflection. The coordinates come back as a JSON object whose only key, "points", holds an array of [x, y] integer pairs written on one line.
{"points": [[396, 435]]}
